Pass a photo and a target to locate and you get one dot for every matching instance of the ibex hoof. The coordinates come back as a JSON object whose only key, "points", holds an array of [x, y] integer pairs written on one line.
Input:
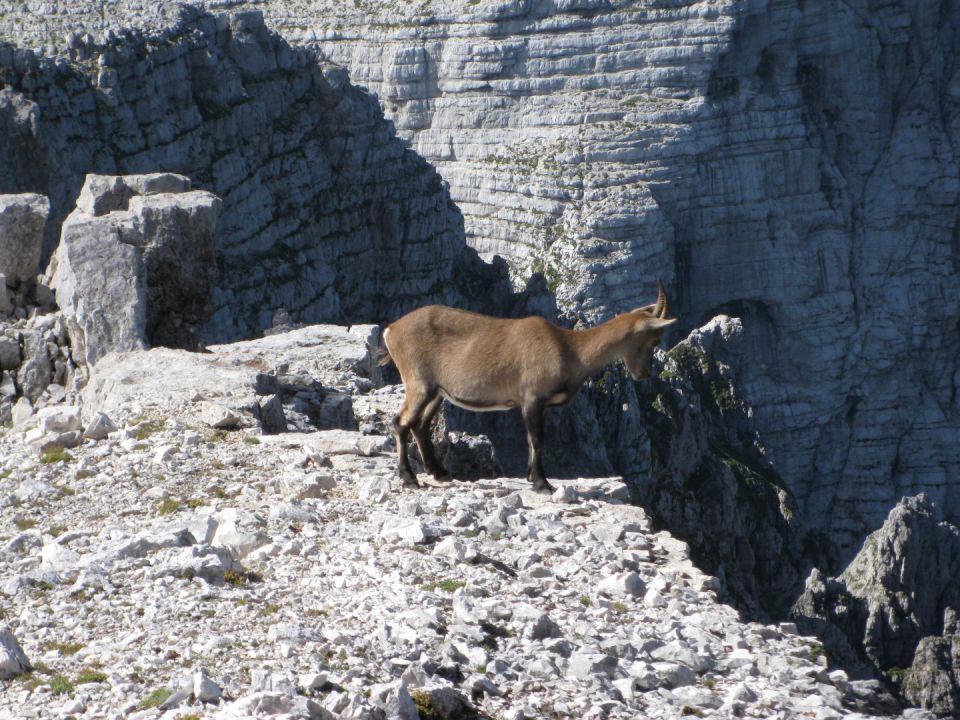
{"points": [[409, 481], [443, 477], [542, 486]]}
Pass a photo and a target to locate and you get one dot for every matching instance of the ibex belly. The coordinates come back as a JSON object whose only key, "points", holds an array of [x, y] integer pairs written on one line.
{"points": [[479, 405]]}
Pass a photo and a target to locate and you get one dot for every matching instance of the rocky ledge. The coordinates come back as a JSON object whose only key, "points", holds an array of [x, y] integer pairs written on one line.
{"points": [[188, 564]]}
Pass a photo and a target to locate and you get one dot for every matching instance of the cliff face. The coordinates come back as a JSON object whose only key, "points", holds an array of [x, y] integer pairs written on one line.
{"points": [[326, 214], [790, 163], [793, 164]]}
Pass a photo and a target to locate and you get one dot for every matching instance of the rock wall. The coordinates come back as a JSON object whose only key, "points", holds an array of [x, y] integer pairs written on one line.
{"points": [[326, 214]]}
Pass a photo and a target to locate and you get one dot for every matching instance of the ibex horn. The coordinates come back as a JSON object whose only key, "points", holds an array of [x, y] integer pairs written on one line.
{"points": [[662, 309]]}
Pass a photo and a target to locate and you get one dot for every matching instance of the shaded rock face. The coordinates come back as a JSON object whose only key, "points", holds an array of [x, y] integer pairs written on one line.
{"points": [[708, 476], [22, 218], [135, 264], [892, 612], [326, 214]]}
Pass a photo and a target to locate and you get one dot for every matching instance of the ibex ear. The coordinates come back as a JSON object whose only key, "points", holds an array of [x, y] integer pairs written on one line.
{"points": [[655, 323]]}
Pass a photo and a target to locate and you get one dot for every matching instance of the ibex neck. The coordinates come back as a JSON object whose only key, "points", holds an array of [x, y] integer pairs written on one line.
{"points": [[599, 346]]}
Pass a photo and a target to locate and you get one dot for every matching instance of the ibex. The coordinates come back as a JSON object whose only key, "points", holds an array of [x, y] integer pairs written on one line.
{"points": [[485, 363]]}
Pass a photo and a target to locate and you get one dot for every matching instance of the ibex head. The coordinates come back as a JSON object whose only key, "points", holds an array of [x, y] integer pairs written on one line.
{"points": [[649, 322]]}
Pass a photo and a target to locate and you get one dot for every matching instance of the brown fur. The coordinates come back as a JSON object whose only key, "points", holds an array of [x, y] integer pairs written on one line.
{"points": [[487, 363]]}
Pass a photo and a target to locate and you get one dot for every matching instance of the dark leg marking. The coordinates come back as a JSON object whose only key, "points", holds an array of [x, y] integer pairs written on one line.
{"points": [[421, 433], [534, 417]]}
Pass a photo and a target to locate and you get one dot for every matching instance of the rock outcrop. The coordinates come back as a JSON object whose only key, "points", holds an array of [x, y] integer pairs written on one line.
{"points": [[317, 377], [135, 264], [326, 213], [892, 612]]}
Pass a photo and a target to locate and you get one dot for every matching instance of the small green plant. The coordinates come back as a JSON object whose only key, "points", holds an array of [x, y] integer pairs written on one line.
{"points": [[4, 474], [218, 436], [90, 675], [482, 668], [816, 651], [251, 440], [54, 454], [586, 601], [188, 716], [619, 607], [709, 682], [68, 491], [688, 710], [239, 578], [148, 428], [445, 585], [270, 609], [154, 699], [25, 523], [424, 704], [57, 530], [64, 648], [169, 505], [59, 685], [29, 681], [194, 503]]}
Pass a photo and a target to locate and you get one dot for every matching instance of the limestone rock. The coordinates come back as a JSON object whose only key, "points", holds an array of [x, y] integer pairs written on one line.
{"points": [[13, 661], [22, 218], [137, 270], [892, 607], [330, 219]]}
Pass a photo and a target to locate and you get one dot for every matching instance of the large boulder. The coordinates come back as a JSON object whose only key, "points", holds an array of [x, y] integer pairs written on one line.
{"points": [[22, 218], [135, 264]]}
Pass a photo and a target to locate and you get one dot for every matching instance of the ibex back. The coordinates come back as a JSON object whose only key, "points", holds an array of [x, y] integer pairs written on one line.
{"points": [[485, 363]]}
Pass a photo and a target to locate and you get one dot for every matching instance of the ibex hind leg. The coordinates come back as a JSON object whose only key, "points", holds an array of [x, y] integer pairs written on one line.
{"points": [[409, 417], [421, 433], [534, 417]]}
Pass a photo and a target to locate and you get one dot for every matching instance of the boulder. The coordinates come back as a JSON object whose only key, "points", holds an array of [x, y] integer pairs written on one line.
{"points": [[22, 218], [135, 264], [13, 661]]}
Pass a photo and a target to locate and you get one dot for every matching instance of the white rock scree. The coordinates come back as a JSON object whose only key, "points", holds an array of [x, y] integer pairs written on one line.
{"points": [[170, 566]]}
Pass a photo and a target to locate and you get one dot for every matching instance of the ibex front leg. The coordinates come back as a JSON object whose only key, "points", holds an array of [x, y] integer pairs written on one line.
{"points": [[534, 418], [409, 417], [421, 433]]}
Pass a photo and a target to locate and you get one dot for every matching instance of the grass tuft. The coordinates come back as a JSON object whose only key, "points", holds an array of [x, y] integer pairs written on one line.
{"points": [[154, 699], [54, 454]]}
